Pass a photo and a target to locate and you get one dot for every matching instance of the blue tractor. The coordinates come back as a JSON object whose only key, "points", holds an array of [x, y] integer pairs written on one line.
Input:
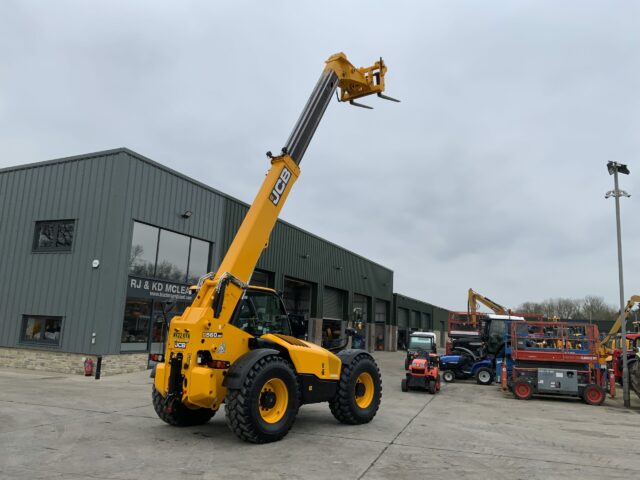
{"points": [[464, 363]]}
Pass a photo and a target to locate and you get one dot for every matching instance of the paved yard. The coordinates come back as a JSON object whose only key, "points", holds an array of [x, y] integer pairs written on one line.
{"points": [[58, 426]]}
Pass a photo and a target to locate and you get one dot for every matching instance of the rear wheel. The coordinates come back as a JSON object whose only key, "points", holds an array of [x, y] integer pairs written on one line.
{"points": [[522, 390], [178, 414], [593, 394], [431, 387], [359, 391], [484, 376], [265, 407], [634, 376], [403, 385], [448, 376]]}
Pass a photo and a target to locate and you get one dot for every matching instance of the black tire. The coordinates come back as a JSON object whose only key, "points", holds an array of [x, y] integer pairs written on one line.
{"points": [[406, 363], [593, 394], [431, 387], [180, 415], [634, 376], [403, 385], [448, 376], [484, 376], [243, 405], [522, 390], [344, 406]]}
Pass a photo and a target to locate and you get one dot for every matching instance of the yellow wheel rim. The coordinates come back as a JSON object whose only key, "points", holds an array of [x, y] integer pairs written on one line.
{"points": [[273, 401], [364, 400]]}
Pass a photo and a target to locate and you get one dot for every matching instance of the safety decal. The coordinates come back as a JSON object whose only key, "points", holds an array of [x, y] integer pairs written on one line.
{"points": [[181, 336]]}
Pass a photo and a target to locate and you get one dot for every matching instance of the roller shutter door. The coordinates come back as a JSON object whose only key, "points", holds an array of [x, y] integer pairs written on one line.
{"points": [[333, 303], [361, 302], [381, 311], [403, 318], [415, 319]]}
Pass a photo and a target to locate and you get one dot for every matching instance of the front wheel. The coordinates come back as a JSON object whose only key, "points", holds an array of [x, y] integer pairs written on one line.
{"points": [[522, 390], [431, 387], [359, 391], [593, 394], [403, 385], [265, 407], [484, 376], [178, 414], [448, 376]]}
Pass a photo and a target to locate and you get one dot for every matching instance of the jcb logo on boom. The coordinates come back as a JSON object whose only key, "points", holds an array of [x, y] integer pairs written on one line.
{"points": [[280, 186]]}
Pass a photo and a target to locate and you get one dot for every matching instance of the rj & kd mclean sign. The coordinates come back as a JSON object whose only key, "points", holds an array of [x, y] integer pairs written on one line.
{"points": [[145, 288]]}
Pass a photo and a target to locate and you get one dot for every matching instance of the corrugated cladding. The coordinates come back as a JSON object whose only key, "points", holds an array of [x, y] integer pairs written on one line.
{"points": [[105, 193], [60, 284], [420, 314], [292, 252]]}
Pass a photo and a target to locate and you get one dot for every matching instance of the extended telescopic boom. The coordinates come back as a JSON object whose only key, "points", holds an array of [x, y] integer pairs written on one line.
{"points": [[225, 287]]}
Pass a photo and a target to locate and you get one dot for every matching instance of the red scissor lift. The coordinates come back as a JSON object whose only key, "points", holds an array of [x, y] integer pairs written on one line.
{"points": [[557, 358]]}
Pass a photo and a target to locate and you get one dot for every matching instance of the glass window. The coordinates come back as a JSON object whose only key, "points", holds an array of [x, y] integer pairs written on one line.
{"points": [[173, 254], [54, 236], [135, 327], [41, 329], [261, 278], [142, 258], [198, 260], [420, 343], [260, 313]]}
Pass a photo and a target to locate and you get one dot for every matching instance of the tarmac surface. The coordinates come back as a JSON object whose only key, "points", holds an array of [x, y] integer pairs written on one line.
{"points": [[58, 426]]}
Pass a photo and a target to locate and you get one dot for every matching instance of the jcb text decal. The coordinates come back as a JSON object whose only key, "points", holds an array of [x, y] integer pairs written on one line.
{"points": [[279, 187]]}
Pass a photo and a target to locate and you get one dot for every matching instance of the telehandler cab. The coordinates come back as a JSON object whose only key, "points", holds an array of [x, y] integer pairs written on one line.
{"points": [[233, 345]]}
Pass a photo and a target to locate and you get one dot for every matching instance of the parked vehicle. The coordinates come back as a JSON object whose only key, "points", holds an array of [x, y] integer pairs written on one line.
{"points": [[556, 358], [420, 342], [466, 364], [423, 374]]}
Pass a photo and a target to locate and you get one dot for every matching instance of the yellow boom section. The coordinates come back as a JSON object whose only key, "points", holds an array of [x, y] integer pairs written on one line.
{"points": [[606, 346]]}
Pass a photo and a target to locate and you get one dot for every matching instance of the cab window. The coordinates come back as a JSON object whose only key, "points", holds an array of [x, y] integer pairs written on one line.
{"points": [[420, 343], [260, 313]]}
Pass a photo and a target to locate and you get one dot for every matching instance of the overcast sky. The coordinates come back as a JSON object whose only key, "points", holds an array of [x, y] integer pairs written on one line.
{"points": [[490, 174]]}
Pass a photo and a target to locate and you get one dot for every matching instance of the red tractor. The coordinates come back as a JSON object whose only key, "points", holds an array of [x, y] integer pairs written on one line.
{"points": [[633, 349], [423, 374]]}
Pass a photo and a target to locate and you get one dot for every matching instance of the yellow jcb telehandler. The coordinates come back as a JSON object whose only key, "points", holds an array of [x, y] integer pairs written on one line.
{"points": [[233, 345]]}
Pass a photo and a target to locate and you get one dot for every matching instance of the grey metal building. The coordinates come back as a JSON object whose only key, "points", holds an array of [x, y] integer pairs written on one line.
{"points": [[97, 248]]}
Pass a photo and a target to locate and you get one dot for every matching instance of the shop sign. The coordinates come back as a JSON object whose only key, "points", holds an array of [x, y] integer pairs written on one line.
{"points": [[146, 288]]}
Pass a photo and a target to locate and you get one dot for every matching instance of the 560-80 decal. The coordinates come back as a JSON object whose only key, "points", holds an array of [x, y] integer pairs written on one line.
{"points": [[212, 335]]}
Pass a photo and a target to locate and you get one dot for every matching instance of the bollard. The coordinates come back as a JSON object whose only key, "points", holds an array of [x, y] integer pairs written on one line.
{"points": [[98, 366]]}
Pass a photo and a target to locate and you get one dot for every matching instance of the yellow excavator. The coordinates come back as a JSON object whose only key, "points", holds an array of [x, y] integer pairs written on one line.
{"points": [[233, 345], [472, 306], [610, 350]]}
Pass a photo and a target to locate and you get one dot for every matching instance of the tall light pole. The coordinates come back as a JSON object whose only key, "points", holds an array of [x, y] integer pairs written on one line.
{"points": [[614, 168]]}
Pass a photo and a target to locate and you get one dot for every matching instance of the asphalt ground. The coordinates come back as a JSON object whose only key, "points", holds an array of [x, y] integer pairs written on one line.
{"points": [[58, 426]]}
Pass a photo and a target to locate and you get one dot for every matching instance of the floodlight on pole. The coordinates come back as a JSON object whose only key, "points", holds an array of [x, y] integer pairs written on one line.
{"points": [[614, 168]]}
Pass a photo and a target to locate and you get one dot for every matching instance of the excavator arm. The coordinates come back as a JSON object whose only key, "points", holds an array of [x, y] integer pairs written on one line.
{"points": [[615, 328], [472, 305]]}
